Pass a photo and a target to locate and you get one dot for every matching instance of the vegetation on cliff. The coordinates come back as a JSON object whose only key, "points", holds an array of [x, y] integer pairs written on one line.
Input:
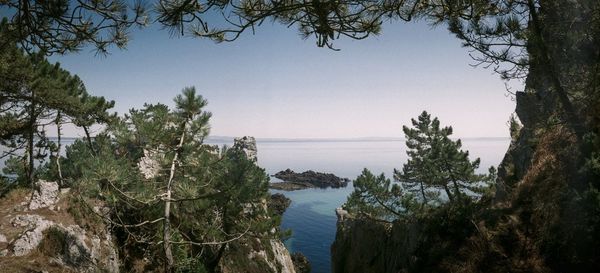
{"points": [[175, 203], [35, 95], [437, 172], [544, 214]]}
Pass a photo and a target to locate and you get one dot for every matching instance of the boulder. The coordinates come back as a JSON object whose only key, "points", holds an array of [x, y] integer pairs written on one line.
{"points": [[69, 244], [45, 195], [149, 165], [301, 263], [35, 226], [246, 144], [279, 203]]}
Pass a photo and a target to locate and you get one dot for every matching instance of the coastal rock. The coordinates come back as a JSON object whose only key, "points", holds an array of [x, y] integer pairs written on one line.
{"points": [[291, 186], [35, 226], [365, 246], [307, 179], [258, 253], [69, 244], [301, 263], [279, 203], [282, 257], [53, 239], [149, 165], [246, 144], [341, 214], [45, 195]]}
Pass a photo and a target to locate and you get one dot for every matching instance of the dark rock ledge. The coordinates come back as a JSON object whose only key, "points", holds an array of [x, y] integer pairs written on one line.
{"points": [[308, 179]]}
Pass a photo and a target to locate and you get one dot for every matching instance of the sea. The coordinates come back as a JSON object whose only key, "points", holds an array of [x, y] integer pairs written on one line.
{"points": [[311, 215]]}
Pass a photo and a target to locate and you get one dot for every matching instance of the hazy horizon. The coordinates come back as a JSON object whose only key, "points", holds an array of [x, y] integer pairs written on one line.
{"points": [[366, 138]]}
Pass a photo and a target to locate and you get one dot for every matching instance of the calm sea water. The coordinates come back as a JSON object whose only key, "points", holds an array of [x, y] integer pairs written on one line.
{"points": [[311, 216]]}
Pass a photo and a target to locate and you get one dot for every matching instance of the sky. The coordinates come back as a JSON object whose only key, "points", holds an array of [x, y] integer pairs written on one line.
{"points": [[274, 84]]}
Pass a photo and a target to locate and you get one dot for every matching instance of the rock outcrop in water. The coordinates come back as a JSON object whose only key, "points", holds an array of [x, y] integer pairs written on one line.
{"points": [[279, 203], [307, 179]]}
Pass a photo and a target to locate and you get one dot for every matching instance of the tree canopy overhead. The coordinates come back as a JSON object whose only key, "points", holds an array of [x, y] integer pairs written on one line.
{"points": [[495, 28]]}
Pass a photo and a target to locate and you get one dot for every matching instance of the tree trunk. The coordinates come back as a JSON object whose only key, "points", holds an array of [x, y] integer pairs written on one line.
{"points": [[89, 139], [167, 214], [450, 197], [60, 177], [457, 192], [212, 265], [551, 72], [31, 132], [423, 194], [167, 235]]}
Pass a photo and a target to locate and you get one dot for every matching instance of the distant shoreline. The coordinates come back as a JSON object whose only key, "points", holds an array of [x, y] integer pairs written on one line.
{"points": [[357, 139]]}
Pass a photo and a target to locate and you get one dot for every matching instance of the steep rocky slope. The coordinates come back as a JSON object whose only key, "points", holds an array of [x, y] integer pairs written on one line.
{"points": [[544, 216], [255, 254], [56, 232], [45, 234]]}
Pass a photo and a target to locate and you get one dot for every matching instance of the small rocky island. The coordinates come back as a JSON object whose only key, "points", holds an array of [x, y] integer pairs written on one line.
{"points": [[309, 179]]}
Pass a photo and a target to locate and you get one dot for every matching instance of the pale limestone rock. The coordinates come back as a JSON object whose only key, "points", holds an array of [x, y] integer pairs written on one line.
{"points": [[46, 195], [149, 165], [35, 226], [282, 260], [341, 214], [248, 145], [78, 255], [282, 257]]}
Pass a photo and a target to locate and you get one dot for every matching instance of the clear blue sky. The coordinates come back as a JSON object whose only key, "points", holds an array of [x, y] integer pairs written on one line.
{"points": [[274, 84]]}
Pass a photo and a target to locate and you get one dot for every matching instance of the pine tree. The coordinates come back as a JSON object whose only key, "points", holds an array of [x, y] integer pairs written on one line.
{"points": [[178, 198], [35, 95], [377, 198], [437, 162]]}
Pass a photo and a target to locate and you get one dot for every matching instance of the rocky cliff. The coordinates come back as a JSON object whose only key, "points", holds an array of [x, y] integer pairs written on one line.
{"points": [[363, 246], [544, 214], [46, 234], [254, 254], [52, 230]]}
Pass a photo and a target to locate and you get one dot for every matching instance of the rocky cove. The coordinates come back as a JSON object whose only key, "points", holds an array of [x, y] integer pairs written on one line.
{"points": [[310, 213]]}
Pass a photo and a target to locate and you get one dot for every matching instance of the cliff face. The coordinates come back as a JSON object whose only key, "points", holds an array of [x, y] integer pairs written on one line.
{"points": [[45, 235], [363, 246], [57, 233], [253, 254], [544, 215]]}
